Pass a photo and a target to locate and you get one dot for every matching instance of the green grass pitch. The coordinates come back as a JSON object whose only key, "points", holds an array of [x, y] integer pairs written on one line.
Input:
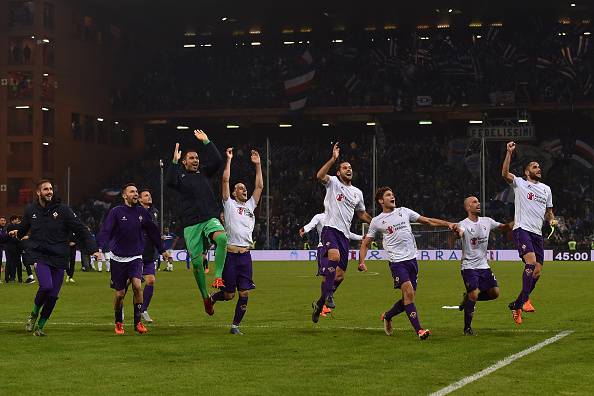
{"points": [[283, 352]]}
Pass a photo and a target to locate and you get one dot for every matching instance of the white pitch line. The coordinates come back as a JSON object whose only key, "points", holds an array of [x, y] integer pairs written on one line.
{"points": [[255, 326], [502, 363]]}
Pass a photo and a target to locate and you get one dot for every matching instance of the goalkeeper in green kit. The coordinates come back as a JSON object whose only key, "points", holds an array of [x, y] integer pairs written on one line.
{"points": [[199, 208]]}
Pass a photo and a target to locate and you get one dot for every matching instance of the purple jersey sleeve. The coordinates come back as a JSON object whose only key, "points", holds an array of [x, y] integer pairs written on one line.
{"points": [[152, 231], [106, 229]]}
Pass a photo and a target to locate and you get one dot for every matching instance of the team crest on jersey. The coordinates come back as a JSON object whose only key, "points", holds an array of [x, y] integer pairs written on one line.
{"points": [[530, 196], [34, 216], [474, 241], [55, 214], [140, 218], [523, 247], [413, 314], [124, 218]]}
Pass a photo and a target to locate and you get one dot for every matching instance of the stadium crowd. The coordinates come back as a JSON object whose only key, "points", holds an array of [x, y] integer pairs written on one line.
{"points": [[536, 62]]}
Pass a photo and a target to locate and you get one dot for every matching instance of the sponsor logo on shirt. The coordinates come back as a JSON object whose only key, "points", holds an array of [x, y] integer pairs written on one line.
{"points": [[124, 218]]}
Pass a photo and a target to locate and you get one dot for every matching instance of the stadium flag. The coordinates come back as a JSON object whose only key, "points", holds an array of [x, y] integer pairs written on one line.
{"points": [[298, 87]]}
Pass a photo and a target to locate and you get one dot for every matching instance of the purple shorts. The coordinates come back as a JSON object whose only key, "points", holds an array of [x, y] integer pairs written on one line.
{"points": [[322, 261], [527, 242], [237, 273], [334, 239], [122, 271], [404, 271], [482, 279], [148, 268]]}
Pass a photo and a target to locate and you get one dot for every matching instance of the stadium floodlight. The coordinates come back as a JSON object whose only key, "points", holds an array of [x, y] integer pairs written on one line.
{"points": [[337, 41], [21, 107], [45, 109], [223, 19], [45, 143], [285, 125], [325, 124], [425, 122], [288, 42], [587, 33], [256, 43], [371, 123], [116, 122], [232, 126], [475, 122], [572, 4], [206, 45], [46, 41], [45, 74], [189, 45], [99, 119], [522, 120], [479, 36], [182, 127]]}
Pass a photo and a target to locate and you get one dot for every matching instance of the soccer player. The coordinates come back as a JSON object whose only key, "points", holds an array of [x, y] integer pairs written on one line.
{"points": [[533, 204], [239, 222], [200, 209], [169, 239], [399, 242], [480, 283], [148, 255], [49, 224], [342, 201], [318, 222], [124, 231]]}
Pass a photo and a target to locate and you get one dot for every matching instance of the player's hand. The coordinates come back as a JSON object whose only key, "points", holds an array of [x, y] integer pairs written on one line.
{"points": [[255, 157], [229, 153], [13, 233], [553, 222], [98, 255], [301, 232], [25, 238], [453, 227], [200, 135], [335, 151], [362, 267], [176, 153], [166, 256], [511, 146]]}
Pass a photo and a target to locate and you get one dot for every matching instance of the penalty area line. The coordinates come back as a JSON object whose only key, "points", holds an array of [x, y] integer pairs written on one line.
{"points": [[502, 363]]}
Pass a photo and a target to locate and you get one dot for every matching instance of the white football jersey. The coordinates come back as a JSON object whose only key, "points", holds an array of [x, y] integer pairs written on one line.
{"points": [[239, 221], [398, 239], [340, 204], [318, 222], [475, 242], [531, 201]]}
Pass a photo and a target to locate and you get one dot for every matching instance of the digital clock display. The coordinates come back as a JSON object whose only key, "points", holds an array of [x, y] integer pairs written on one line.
{"points": [[567, 255]]}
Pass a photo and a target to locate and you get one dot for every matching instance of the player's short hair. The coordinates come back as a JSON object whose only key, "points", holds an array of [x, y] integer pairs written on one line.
{"points": [[188, 151], [340, 164], [14, 217], [528, 165], [127, 185], [144, 189], [40, 182], [379, 193]]}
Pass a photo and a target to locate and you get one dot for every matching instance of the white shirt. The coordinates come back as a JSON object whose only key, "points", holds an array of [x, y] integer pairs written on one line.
{"points": [[399, 241], [318, 222], [239, 221], [531, 202], [475, 241], [340, 204]]}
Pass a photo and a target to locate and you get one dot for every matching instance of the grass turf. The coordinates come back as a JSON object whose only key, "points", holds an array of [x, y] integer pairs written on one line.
{"points": [[282, 351]]}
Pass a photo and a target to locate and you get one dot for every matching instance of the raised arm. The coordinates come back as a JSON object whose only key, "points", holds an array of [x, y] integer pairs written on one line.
{"points": [[259, 184], [225, 190], [171, 177], [509, 177], [322, 174], [213, 161]]}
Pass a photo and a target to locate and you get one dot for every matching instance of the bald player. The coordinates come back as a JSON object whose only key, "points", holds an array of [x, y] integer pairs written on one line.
{"points": [[479, 280]]}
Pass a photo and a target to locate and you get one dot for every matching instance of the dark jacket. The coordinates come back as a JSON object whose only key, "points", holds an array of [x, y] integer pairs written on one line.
{"points": [[197, 201], [150, 250], [13, 245], [50, 229]]}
